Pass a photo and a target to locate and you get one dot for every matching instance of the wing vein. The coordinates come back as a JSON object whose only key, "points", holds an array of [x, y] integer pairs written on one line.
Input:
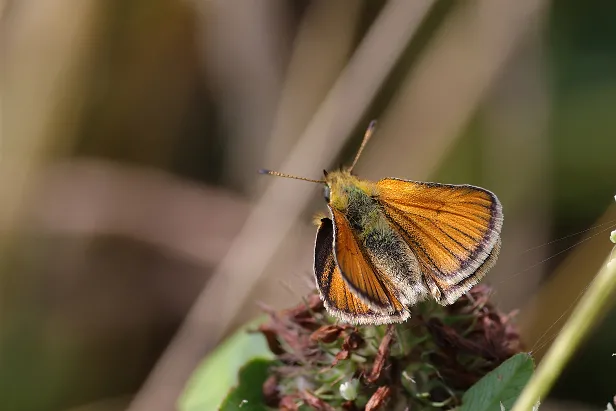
{"points": [[446, 234], [395, 204], [428, 234]]}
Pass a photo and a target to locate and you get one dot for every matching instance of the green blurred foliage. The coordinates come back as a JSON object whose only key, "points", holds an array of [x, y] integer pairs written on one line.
{"points": [[248, 396], [501, 386], [243, 352]]}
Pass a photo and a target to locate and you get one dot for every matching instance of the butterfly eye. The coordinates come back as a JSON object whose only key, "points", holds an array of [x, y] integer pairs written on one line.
{"points": [[326, 193]]}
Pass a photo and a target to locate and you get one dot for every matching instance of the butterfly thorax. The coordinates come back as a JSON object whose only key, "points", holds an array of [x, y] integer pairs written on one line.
{"points": [[356, 206], [357, 200]]}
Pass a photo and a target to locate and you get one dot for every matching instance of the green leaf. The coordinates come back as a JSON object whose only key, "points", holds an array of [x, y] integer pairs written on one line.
{"points": [[218, 373], [502, 385], [248, 395]]}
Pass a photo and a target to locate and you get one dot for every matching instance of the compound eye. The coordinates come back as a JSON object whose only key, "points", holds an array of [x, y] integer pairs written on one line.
{"points": [[326, 193]]}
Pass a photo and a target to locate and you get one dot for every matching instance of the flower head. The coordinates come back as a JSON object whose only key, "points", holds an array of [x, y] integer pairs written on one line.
{"points": [[425, 363]]}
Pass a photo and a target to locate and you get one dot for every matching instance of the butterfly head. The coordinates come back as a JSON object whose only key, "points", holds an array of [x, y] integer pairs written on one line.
{"points": [[341, 187]]}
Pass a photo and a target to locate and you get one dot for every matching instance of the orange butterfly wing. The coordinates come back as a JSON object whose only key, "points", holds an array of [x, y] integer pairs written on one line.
{"points": [[373, 287], [339, 300], [453, 230]]}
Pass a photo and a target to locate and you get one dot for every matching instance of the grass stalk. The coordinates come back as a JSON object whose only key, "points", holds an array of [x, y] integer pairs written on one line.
{"points": [[587, 313]]}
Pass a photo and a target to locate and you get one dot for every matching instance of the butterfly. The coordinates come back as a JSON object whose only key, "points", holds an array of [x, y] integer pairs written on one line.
{"points": [[389, 244]]}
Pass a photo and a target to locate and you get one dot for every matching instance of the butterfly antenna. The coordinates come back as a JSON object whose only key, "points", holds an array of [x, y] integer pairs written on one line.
{"points": [[277, 174], [367, 135]]}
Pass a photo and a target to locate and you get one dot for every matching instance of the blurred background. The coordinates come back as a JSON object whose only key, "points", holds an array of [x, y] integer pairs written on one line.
{"points": [[132, 132]]}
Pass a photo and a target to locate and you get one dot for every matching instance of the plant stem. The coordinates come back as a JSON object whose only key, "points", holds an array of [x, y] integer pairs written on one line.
{"points": [[584, 317]]}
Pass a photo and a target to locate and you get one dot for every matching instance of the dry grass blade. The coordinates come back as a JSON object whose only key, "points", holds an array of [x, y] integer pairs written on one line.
{"points": [[243, 55], [39, 91], [321, 49], [193, 221]]}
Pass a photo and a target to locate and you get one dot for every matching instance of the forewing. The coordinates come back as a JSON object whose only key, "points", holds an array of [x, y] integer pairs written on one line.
{"points": [[372, 287], [452, 229], [338, 298]]}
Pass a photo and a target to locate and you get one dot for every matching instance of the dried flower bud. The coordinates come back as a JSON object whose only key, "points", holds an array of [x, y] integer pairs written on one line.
{"points": [[315, 402], [288, 404], [378, 399], [381, 355], [271, 337], [342, 355], [271, 395], [327, 333], [353, 341]]}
